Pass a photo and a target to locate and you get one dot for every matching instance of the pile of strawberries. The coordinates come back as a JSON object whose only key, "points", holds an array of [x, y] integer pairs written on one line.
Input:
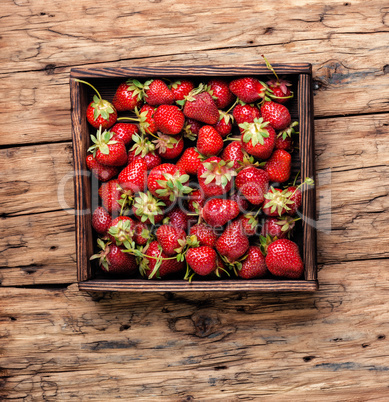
{"points": [[195, 179]]}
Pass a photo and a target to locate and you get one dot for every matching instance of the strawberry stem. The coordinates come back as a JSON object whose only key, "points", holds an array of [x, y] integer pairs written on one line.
{"points": [[87, 83], [270, 67]]}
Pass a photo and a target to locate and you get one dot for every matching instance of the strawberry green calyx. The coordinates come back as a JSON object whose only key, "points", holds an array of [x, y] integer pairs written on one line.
{"points": [[264, 243], [219, 171], [136, 87], [102, 255], [287, 223], [148, 207], [142, 145], [226, 116], [101, 108], [173, 185], [191, 96], [278, 200], [288, 131], [122, 232], [101, 142], [256, 131], [164, 141]]}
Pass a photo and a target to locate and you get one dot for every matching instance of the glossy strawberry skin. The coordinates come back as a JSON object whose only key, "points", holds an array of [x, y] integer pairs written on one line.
{"points": [[233, 152], [167, 266], [101, 172], [282, 143], [100, 121], [218, 211], [124, 99], [101, 221], [245, 114], [110, 194], [203, 109], [158, 94], [254, 265], [151, 159], [223, 128], [168, 237], [253, 183], [124, 132], [202, 260], [247, 89], [273, 229], [150, 110], [133, 177], [241, 201], [181, 88], [221, 90], [139, 237], [196, 197], [190, 161], [117, 154], [276, 114], [279, 166], [192, 126], [232, 244], [205, 234], [175, 151], [120, 263], [178, 218], [280, 89], [169, 119], [209, 141], [283, 259], [261, 151], [249, 224]]}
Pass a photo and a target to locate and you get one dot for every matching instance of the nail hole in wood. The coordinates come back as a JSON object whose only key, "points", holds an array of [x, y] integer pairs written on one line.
{"points": [[381, 337], [308, 358]]}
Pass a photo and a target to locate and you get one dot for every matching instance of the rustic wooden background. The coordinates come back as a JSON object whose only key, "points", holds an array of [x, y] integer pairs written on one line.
{"points": [[57, 343]]}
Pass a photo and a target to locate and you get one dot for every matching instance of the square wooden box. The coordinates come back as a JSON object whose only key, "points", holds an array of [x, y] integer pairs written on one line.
{"points": [[107, 80]]}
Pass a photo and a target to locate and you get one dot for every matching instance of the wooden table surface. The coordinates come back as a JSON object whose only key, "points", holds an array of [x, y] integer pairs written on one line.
{"points": [[57, 343]]}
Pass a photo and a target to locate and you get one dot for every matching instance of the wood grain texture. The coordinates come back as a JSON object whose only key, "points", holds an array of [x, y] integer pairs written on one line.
{"points": [[200, 347]]}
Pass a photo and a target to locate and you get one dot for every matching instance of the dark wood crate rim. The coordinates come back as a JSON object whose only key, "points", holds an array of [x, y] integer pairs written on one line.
{"points": [[305, 99]]}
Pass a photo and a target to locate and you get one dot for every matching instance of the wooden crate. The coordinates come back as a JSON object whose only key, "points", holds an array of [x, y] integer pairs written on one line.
{"points": [[107, 80]]}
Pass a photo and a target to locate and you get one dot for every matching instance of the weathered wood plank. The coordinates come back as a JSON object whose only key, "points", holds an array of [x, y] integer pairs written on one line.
{"points": [[226, 345]]}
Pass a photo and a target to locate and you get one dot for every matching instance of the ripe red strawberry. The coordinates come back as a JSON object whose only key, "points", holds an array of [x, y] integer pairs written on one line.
{"points": [[111, 193], [169, 147], [215, 176], [221, 93], [151, 267], [107, 151], [279, 166], [253, 183], [258, 138], [248, 89], [114, 261], [241, 201], [141, 233], [282, 143], [191, 129], [224, 125], [280, 89], [101, 113], [234, 152], [101, 172], [201, 107], [232, 244], [128, 96], [171, 239], [205, 234], [150, 158], [196, 201], [168, 182], [283, 259], [101, 220], [203, 260], [245, 114], [169, 119], [148, 209], [146, 119], [249, 224], [121, 231], [156, 93], [277, 227], [177, 218], [218, 211], [276, 114], [276, 202], [124, 132], [295, 197], [254, 265], [209, 141], [133, 177], [181, 88], [190, 161]]}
